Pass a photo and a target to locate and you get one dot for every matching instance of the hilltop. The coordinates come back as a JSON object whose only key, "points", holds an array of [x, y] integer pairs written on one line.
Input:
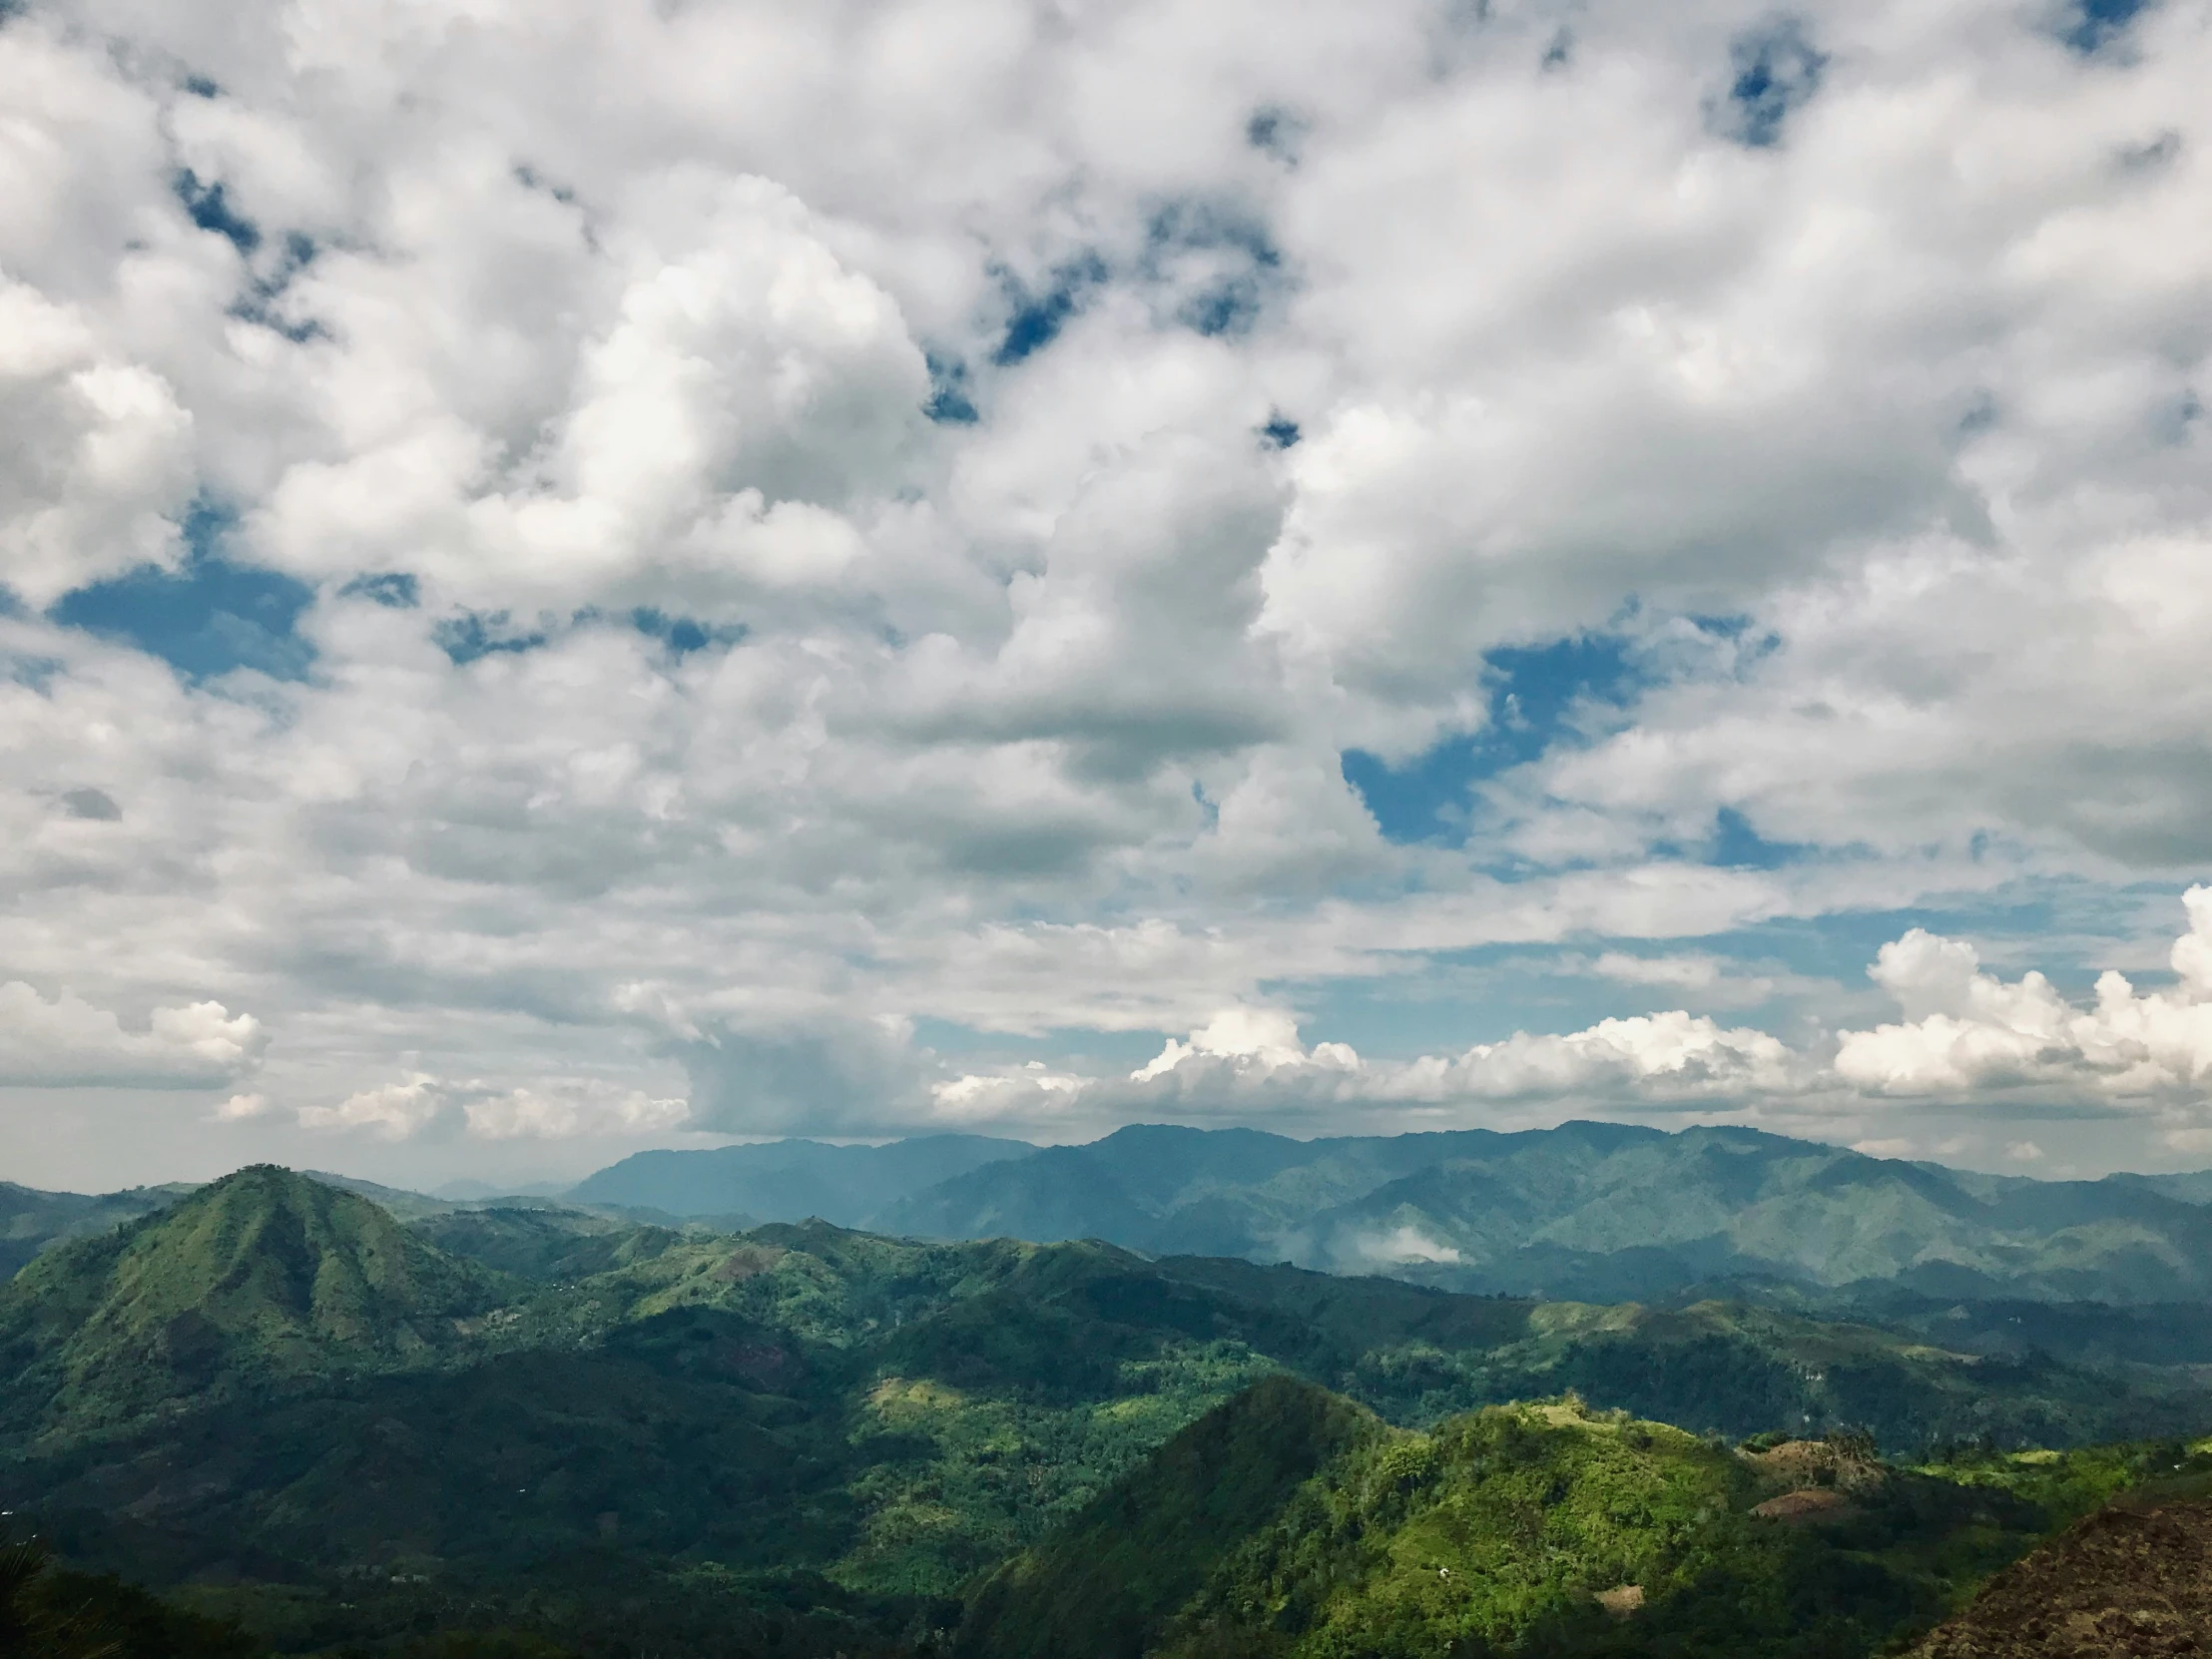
{"points": [[260, 1277], [1549, 1530]]}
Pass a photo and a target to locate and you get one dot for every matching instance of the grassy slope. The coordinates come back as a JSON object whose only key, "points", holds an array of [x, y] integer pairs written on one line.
{"points": [[1498, 1533], [255, 1278]]}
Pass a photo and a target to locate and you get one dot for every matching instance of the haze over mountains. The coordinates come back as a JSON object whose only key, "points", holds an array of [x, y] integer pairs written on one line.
{"points": [[1596, 1211], [346, 1414]]}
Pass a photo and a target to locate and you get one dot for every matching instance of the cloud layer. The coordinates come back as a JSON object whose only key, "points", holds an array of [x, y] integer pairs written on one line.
{"points": [[579, 574]]}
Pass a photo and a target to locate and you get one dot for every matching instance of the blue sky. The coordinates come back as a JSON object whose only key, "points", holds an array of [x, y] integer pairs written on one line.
{"points": [[1403, 567]]}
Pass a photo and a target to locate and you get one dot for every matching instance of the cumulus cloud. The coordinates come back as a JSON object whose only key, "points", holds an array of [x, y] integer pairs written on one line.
{"points": [[1966, 1030], [794, 1073], [744, 385], [95, 460], [1969, 1038], [64, 1041], [550, 1109], [884, 537], [1248, 1064]]}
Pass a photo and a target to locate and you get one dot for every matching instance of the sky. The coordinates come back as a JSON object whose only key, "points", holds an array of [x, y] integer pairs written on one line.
{"points": [[595, 574]]}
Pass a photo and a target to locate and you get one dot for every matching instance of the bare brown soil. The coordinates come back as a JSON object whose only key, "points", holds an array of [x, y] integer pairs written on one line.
{"points": [[1810, 1503], [1795, 1464], [2122, 1584]]}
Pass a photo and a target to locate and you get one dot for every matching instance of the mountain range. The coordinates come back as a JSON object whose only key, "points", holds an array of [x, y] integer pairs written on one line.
{"points": [[1586, 1211], [285, 1405], [1594, 1211]]}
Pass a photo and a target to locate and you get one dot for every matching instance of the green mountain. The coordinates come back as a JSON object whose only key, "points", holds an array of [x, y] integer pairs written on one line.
{"points": [[31, 1221], [1596, 1212], [850, 1186], [263, 1277], [1106, 1581], [279, 1401], [1287, 1524]]}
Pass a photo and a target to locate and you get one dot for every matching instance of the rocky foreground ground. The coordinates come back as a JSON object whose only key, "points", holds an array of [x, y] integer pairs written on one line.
{"points": [[2126, 1584]]}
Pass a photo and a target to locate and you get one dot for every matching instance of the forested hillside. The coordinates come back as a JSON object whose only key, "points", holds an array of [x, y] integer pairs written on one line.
{"points": [[279, 1403], [1287, 1524], [1596, 1212]]}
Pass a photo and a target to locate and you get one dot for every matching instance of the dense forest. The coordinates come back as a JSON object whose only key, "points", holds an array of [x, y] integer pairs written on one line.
{"points": [[274, 1416]]}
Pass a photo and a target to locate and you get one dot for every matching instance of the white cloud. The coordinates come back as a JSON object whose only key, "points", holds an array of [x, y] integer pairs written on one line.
{"points": [[95, 454], [548, 1109], [1406, 1244], [392, 1111], [1248, 1064], [1972, 1038], [64, 1040], [793, 726], [1967, 1030]]}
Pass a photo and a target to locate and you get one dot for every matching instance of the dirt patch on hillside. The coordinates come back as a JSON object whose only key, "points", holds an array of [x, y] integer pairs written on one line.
{"points": [[1808, 1503], [2122, 1584], [1796, 1465], [749, 1262]]}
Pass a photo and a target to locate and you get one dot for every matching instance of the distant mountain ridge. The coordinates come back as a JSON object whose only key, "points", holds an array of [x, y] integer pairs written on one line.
{"points": [[1599, 1212], [31, 1220], [791, 1180], [1593, 1211]]}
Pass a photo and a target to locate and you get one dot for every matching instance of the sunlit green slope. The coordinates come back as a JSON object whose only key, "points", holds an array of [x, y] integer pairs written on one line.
{"points": [[257, 1278], [1537, 1531]]}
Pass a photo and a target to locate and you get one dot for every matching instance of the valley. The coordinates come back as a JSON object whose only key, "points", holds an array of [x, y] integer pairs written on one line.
{"points": [[334, 1418]]}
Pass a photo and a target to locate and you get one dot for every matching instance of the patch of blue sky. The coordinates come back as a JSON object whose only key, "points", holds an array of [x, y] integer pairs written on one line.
{"points": [[1775, 70], [1541, 696], [1035, 318], [474, 635], [949, 401], [204, 619], [1239, 262], [1279, 132], [260, 302], [395, 590], [2091, 25], [1449, 1002], [2067, 928], [209, 205], [684, 635], [1735, 845], [30, 670]]}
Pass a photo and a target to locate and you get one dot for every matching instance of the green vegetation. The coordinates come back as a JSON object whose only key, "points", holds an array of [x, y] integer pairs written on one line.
{"points": [[49, 1613], [32, 1220], [1550, 1532], [1107, 1580], [259, 1277], [518, 1424], [1596, 1212]]}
